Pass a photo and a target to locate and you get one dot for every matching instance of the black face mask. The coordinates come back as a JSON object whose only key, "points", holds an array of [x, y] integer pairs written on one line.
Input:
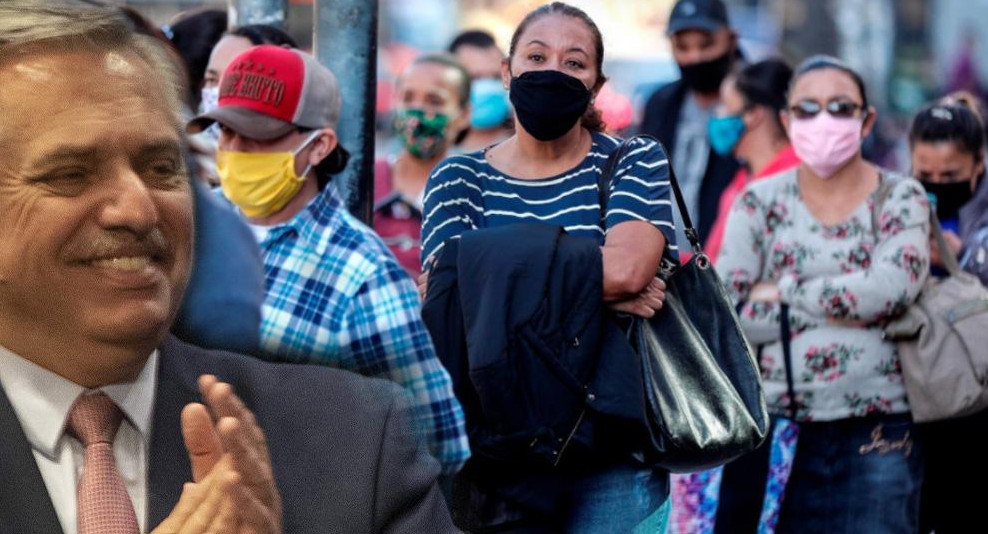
{"points": [[950, 197], [548, 102], [705, 77]]}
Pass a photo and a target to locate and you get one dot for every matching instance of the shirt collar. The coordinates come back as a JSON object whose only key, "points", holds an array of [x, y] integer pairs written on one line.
{"points": [[41, 399], [316, 222]]}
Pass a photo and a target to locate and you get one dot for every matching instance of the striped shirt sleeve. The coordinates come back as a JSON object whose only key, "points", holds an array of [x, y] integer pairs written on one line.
{"points": [[453, 204], [640, 190]]}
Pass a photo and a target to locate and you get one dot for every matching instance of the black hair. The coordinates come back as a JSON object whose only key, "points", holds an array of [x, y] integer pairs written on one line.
{"points": [[591, 119], [476, 38], [141, 24], [765, 84], [259, 34], [949, 123], [820, 62], [333, 163], [194, 37], [448, 61]]}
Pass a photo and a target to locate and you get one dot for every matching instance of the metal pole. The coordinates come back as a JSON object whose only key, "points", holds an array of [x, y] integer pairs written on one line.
{"points": [[244, 12], [345, 40]]}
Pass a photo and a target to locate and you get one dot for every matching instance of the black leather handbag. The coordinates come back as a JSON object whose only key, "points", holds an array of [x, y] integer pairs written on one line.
{"points": [[704, 403]]}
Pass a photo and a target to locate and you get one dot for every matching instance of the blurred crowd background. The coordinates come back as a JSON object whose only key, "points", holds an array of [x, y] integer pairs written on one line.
{"points": [[909, 51]]}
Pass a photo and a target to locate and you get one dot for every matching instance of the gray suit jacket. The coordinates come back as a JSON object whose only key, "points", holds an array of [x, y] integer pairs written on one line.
{"points": [[343, 456]]}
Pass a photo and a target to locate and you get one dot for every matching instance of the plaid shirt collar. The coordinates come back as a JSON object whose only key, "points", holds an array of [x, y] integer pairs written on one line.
{"points": [[384, 334], [315, 224]]}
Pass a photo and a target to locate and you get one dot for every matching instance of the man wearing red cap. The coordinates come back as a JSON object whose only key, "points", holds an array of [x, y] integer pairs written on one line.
{"points": [[335, 294]]}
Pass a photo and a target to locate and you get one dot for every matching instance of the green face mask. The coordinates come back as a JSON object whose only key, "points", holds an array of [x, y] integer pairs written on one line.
{"points": [[424, 137]]}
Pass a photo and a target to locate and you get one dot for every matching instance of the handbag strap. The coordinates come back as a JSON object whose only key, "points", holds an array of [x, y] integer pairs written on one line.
{"points": [[885, 188], [885, 185], [606, 179], [787, 357]]}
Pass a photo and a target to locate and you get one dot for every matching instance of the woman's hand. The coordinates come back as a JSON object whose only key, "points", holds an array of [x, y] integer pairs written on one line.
{"points": [[423, 282], [765, 292], [848, 323], [646, 303], [954, 243]]}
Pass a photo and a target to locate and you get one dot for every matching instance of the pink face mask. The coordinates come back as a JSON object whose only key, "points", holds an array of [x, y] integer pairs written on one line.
{"points": [[825, 143]]}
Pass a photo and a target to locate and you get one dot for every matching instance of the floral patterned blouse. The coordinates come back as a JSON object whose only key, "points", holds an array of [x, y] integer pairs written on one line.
{"points": [[840, 282]]}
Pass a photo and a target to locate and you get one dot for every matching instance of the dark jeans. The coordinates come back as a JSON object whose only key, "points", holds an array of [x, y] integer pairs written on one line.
{"points": [[954, 492], [624, 498], [855, 476]]}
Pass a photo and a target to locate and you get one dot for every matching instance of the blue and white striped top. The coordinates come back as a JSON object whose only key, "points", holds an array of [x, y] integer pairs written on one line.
{"points": [[465, 193]]}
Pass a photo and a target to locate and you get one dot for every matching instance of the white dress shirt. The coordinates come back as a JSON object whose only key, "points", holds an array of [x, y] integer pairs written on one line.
{"points": [[42, 399]]}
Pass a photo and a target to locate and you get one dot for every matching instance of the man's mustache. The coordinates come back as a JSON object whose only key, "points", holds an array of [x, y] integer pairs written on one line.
{"points": [[120, 244]]}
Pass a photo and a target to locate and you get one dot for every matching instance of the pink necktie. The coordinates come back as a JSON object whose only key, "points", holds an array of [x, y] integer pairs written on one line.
{"points": [[104, 507]]}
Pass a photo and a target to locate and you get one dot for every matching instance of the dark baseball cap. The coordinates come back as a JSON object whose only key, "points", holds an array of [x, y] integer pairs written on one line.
{"points": [[704, 15]]}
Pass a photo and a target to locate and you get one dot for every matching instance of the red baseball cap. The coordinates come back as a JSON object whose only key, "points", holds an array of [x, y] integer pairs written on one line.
{"points": [[268, 91]]}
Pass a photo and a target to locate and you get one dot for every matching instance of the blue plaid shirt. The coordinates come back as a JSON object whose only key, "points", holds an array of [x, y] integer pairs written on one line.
{"points": [[336, 296]]}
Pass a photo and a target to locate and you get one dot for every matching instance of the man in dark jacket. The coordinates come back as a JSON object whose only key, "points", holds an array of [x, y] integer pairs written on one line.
{"points": [[705, 47]]}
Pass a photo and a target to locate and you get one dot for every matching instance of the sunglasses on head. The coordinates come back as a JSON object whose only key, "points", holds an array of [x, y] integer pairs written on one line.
{"points": [[841, 109]]}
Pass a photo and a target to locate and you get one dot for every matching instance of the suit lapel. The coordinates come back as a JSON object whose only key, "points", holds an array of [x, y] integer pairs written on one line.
{"points": [[24, 502], [168, 459]]}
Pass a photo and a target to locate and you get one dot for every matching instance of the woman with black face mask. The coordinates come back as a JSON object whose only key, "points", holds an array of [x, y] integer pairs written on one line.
{"points": [[547, 173], [947, 140]]}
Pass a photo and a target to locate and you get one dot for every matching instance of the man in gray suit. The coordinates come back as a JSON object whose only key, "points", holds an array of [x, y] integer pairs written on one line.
{"points": [[96, 400]]}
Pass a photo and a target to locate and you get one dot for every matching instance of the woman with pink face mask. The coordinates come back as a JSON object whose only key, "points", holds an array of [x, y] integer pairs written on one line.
{"points": [[815, 280]]}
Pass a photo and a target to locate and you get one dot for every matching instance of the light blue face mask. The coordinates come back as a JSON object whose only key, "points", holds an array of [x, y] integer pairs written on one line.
{"points": [[489, 105], [725, 133]]}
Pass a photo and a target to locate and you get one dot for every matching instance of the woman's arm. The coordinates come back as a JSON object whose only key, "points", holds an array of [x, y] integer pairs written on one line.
{"points": [[631, 258], [639, 221], [452, 205], [899, 266], [741, 264]]}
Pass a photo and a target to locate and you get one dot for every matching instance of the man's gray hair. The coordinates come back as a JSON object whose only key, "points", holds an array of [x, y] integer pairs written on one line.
{"points": [[61, 25]]}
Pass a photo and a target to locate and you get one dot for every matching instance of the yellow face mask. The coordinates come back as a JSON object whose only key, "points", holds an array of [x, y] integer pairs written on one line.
{"points": [[260, 183]]}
